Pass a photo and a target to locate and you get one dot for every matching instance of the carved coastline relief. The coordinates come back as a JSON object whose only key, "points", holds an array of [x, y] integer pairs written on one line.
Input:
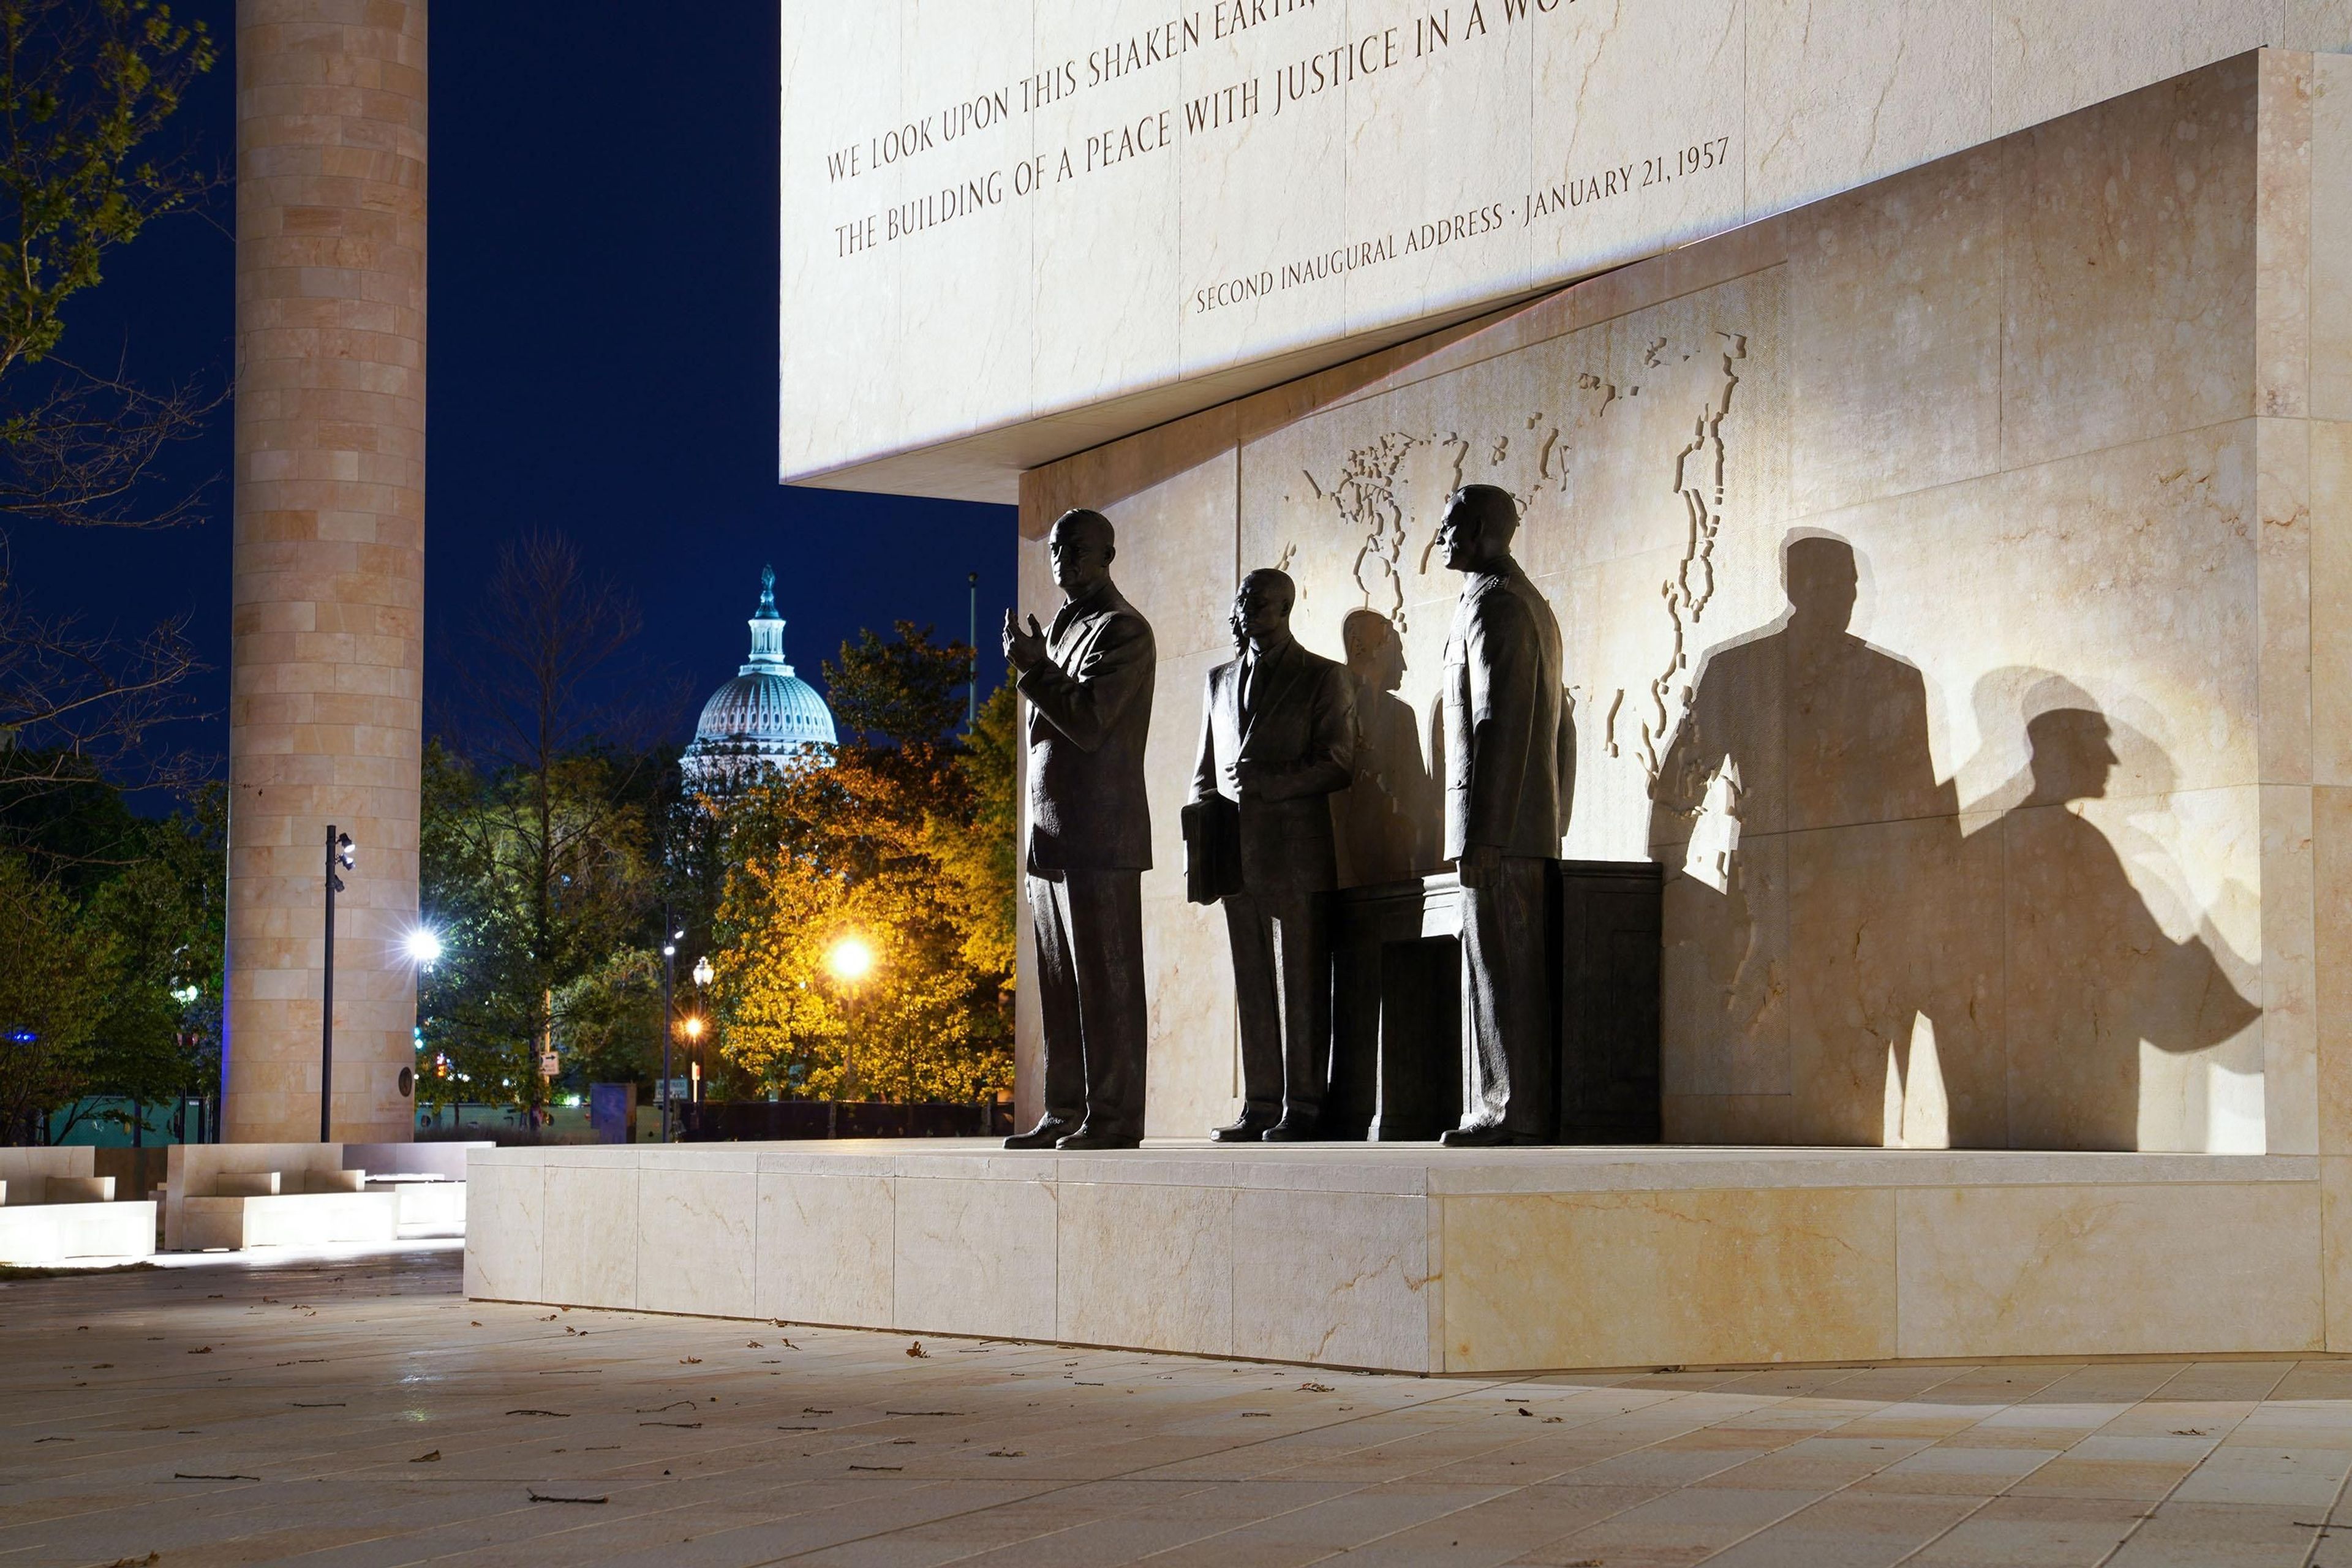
{"points": [[1389, 492]]}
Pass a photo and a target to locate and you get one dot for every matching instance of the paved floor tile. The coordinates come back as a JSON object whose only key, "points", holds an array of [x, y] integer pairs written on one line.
{"points": [[356, 1412]]}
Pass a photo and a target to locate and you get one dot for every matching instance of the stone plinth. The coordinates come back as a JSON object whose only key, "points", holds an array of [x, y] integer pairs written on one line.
{"points": [[1944, 569], [1410, 1258], [326, 653]]}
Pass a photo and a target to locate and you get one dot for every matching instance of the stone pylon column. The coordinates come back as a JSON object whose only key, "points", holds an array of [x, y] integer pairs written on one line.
{"points": [[326, 654]]}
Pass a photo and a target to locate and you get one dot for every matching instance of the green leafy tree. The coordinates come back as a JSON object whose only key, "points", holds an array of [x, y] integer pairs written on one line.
{"points": [[55, 972]]}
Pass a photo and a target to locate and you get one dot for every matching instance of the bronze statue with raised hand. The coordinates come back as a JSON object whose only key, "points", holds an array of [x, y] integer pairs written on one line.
{"points": [[1088, 679]]}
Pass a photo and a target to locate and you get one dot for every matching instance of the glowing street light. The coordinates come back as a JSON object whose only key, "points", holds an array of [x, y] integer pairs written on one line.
{"points": [[703, 974], [851, 960], [693, 1027], [423, 945]]}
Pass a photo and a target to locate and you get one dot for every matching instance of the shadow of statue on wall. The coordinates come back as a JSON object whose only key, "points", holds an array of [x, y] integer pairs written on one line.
{"points": [[2091, 972], [1388, 818], [1834, 936]]}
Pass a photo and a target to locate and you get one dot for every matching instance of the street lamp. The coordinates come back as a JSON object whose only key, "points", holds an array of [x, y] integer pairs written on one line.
{"points": [[703, 976], [340, 852], [669, 1021], [850, 962], [423, 946]]}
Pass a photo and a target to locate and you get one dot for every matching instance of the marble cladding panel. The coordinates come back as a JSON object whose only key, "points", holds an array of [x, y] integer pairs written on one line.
{"points": [[2331, 875], [974, 1257], [831, 396], [1228, 307], [826, 1248], [972, 314], [1338, 1278], [2331, 236], [696, 1241], [1895, 321], [2329, 532], [589, 1236], [1923, 68], [1170, 752], [2288, 1123], [1175, 561], [1657, 143], [505, 1208], [2284, 510], [2054, 56], [2128, 254], [1456, 222], [2335, 1249], [1106, 314], [1193, 1078], [2282, 234], [1553, 1280], [1147, 1265], [2055, 1271]]}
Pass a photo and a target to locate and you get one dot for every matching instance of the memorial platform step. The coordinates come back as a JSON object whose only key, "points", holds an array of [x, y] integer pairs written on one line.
{"points": [[1408, 1258]]}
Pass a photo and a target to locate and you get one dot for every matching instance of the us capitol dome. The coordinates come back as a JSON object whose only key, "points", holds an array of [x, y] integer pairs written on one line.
{"points": [[764, 718]]}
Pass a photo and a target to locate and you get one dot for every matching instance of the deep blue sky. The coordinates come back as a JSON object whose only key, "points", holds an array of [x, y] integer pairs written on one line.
{"points": [[602, 355]]}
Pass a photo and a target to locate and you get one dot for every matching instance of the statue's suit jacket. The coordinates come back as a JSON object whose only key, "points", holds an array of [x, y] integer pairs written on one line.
{"points": [[1299, 728], [1090, 712], [1510, 749]]}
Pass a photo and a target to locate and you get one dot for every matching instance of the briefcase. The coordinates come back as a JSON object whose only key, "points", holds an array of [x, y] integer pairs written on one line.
{"points": [[1212, 850]]}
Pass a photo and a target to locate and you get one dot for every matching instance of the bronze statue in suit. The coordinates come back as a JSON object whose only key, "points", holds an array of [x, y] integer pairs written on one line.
{"points": [[1277, 735], [1509, 763], [1088, 678]]}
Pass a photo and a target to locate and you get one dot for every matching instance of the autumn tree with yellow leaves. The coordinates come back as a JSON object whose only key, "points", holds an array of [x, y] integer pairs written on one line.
{"points": [[902, 839]]}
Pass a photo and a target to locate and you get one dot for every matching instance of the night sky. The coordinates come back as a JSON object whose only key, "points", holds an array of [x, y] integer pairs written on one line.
{"points": [[602, 359]]}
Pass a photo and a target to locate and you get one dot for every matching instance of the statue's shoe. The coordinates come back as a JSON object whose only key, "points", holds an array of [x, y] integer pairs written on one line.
{"points": [[1044, 1135], [1249, 1130], [1291, 1130], [1086, 1138], [1485, 1137]]}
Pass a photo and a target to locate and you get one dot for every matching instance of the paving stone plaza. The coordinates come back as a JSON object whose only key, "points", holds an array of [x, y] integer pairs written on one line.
{"points": [[358, 1410]]}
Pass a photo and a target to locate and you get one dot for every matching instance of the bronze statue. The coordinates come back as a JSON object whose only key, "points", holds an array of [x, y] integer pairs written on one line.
{"points": [[1508, 758], [1088, 681], [1278, 733]]}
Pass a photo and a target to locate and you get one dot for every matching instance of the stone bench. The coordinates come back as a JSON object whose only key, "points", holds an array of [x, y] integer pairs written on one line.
{"points": [[54, 1210], [304, 1199]]}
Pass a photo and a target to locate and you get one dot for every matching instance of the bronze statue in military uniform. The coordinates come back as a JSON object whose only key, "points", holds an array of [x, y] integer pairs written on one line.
{"points": [[1509, 758]]}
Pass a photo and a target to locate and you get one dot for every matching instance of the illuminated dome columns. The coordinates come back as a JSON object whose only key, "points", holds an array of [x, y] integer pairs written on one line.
{"points": [[326, 700]]}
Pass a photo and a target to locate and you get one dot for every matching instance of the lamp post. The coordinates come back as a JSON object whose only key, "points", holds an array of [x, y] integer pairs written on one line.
{"points": [[669, 1022], [851, 961], [340, 853], [972, 692], [703, 976]]}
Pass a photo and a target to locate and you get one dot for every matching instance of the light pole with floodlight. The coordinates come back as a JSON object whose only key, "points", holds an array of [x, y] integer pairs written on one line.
{"points": [[340, 852]]}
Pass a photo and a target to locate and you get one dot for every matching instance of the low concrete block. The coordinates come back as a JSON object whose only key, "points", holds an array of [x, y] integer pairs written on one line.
{"points": [[42, 1235]]}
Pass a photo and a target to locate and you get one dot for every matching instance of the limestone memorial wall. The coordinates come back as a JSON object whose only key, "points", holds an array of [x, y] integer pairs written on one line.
{"points": [[2044, 848], [1997, 810]]}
